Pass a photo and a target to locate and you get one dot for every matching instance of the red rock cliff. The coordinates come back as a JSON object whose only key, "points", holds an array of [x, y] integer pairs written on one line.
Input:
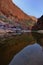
{"points": [[8, 8], [11, 11]]}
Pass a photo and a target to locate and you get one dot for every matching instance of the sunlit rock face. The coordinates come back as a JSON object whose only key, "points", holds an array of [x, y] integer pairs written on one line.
{"points": [[8, 8], [11, 11]]}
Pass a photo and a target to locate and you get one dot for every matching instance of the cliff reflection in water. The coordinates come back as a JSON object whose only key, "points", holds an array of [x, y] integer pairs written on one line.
{"points": [[11, 46], [32, 53]]}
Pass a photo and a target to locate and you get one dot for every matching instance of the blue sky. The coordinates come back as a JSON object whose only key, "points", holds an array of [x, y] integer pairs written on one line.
{"points": [[31, 7]]}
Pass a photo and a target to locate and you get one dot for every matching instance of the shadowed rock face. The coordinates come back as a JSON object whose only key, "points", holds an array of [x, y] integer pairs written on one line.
{"points": [[39, 24]]}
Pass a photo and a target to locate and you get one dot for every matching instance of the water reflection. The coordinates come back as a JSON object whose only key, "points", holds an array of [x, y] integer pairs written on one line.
{"points": [[11, 46], [38, 37], [30, 55]]}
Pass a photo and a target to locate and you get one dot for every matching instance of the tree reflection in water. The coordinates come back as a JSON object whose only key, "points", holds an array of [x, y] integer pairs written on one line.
{"points": [[38, 37]]}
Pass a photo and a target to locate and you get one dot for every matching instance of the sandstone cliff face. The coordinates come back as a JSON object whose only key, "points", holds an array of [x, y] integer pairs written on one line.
{"points": [[11, 11], [8, 8]]}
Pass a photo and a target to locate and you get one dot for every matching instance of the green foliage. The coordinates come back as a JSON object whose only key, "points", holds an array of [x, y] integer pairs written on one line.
{"points": [[5, 19]]}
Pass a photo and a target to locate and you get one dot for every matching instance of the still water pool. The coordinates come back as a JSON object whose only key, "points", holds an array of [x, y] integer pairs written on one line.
{"points": [[24, 49]]}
